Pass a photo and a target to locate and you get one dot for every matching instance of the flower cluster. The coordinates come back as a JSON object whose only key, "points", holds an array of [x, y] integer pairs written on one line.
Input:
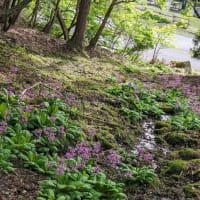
{"points": [[70, 100], [84, 151], [114, 158], [49, 132], [61, 166], [3, 126], [143, 154], [189, 89]]}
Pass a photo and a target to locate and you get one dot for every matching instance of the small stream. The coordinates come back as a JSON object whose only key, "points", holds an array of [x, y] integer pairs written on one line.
{"points": [[147, 140]]}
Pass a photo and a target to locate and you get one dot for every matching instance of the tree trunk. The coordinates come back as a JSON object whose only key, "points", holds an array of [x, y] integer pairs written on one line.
{"points": [[50, 23], [63, 26], [78, 36], [34, 14], [73, 22], [94, 40]]}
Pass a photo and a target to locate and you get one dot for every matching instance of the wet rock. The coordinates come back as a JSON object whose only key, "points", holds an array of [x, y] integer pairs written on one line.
{"points": [[162, 130], [180, 139], [167, 109], [175, 167], [162, 124], [192, 190]]}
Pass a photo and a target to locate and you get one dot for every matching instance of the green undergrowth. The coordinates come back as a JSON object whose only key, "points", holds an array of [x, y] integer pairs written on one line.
{"points": [[46, 138], [99, 100]]}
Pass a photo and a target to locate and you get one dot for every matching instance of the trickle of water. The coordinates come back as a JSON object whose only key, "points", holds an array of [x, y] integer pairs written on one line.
{"points": [[147, 141], [164, 117]]}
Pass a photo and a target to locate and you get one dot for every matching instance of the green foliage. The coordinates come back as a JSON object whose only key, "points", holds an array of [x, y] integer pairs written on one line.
{"points": [[81, 185], [5, 157], [138, 102], [182, 24], [186, 120], [138, 176], [158, 18]]}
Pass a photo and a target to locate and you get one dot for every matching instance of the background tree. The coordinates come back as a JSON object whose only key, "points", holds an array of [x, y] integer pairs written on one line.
{"points": [[54, 13], [77, 39], [196, 48], [10, 12]]}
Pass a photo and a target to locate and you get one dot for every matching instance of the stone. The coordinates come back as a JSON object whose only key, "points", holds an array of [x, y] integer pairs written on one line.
{"points": [[185, 65], [179, 139]]}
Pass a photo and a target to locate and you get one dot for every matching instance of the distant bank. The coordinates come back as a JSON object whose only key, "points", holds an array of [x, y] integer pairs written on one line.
{"points": [[180, 53]]}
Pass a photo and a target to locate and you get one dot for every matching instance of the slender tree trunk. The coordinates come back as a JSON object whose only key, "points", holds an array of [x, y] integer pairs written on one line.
{"points": [[73, 22], [11, 11], [195, 10], [34, 14], [50, 23], [94, 40], [77, 39], [63, 26]]}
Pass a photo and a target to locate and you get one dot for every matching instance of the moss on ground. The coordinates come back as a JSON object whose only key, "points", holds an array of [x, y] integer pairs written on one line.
{"points": [[192, 190], [189, 154], [175, 167], [185, 154]]}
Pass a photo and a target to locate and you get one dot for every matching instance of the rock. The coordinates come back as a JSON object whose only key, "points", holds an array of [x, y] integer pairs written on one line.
{"points": [[162, 130], [186, 65], [180, 139], [167, 108], [162, 127], [161, 124]]}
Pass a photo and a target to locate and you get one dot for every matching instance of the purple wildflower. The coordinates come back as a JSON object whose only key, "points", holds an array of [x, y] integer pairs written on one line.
{"points": [[61, 129], [14, 70], [70, 100], [61, 166], [128, 174], [3, 126], [38, 132], [114, 158], [52, 119], [91, 132], [71, 153], [96, 170], [52, 137], [140, 149], [96, 147], [28, 108], [148, 157]]}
